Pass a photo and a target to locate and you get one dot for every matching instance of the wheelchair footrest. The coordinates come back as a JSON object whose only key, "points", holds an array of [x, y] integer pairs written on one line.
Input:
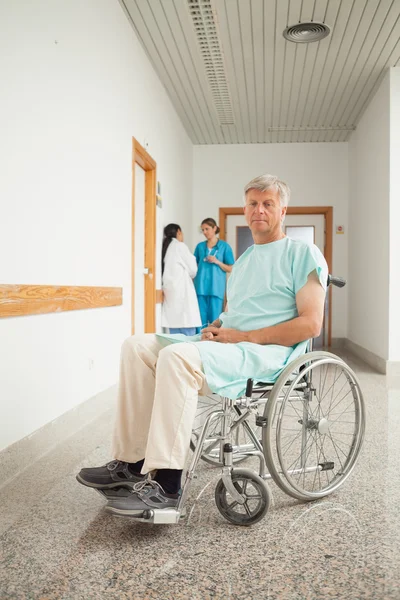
{"points": [[157, 516], [152, 515], [117, 492]]}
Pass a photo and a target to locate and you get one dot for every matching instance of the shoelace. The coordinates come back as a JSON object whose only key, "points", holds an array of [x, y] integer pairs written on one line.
{"points": [[114, 464], [140, 485]]}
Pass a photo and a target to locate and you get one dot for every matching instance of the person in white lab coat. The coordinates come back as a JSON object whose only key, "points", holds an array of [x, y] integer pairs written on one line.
{"points": [[180, 309]]}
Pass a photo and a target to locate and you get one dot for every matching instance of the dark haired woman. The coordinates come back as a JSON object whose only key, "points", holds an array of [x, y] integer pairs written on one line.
{"points": [[180, 309], [214, 259]]}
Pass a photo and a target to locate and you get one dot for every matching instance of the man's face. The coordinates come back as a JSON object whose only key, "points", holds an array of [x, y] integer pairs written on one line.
{"points": [[263, 212]]}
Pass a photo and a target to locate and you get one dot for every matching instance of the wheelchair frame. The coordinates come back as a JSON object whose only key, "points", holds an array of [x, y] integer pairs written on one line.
{"points": [[294, 402], [289, 388]]}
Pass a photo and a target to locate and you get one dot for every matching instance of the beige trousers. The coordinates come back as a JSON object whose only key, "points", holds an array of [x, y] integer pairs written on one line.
{"points": [[157, 401]]}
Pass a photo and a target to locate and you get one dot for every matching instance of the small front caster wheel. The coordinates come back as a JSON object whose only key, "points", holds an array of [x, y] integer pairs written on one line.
{"points": [[255, 493]]}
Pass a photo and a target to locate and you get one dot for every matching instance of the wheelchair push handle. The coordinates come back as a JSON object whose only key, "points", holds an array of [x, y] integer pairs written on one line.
{"points": [[337, 281]]}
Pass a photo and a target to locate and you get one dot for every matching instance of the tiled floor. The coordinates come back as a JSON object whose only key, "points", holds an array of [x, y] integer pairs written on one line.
{"points": [[57, 542]]}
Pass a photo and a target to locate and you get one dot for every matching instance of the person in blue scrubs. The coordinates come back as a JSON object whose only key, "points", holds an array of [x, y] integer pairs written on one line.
{"points": [[214, 260]]}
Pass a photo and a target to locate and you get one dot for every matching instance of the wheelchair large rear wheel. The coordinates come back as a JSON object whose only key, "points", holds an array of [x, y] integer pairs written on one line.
{"points": [[315, 422], [243, 432]]}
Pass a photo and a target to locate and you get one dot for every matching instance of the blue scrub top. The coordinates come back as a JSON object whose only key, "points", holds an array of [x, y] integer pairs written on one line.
{"points": [[211, 279]]}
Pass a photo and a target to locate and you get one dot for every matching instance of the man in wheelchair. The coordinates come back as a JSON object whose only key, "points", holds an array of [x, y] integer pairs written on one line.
{"points": [[275, 304]]}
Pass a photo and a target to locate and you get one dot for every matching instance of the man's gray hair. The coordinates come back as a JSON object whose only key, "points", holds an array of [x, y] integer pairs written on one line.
{"points": [[265, 182]]}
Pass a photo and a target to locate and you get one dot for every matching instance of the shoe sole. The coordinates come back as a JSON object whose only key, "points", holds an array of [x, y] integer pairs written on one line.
{"points": [[107, 486], [126, 513], [139, 514], [132, 512]]}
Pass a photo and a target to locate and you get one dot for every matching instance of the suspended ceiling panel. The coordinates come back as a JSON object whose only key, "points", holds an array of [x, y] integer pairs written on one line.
{"points": [[234, 79]]}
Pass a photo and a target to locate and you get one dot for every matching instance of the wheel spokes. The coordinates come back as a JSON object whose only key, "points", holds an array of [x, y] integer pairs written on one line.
{"points": [[324, 437]]}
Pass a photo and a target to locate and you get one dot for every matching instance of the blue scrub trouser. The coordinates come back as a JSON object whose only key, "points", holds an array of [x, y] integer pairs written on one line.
{"points": [[210, 308], [184, 330]]}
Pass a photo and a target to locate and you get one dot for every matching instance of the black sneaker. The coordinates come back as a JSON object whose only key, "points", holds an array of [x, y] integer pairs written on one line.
{"points": [[144, 496], [114, 474]]}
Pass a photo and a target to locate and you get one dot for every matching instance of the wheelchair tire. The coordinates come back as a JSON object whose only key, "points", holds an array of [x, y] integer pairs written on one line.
{"points": [[257, 496], [241, 438], [314, 433]]}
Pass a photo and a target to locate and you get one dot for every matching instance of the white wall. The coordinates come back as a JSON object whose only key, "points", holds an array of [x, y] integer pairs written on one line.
{"points": [[316, 173], [76, 86], [369, 161], [394, 223]]}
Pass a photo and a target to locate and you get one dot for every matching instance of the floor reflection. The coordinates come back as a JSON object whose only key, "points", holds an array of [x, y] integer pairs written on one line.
{"points": [[57, 542]]}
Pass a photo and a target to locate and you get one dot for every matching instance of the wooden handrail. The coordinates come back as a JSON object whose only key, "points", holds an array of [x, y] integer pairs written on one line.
{"points": [[21, 300]]}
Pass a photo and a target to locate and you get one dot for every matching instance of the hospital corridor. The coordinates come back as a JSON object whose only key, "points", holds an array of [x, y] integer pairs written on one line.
{"points": [[199, 300]]}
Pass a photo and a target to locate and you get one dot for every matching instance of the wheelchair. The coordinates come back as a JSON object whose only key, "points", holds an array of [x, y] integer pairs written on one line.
{"points": [[306, 430]]}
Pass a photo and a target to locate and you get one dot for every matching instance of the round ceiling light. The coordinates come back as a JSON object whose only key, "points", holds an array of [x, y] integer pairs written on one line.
{"points": [[304, 33]]}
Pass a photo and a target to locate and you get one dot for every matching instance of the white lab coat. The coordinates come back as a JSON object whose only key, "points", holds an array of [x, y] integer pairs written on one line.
{"points": [[180, 307]]}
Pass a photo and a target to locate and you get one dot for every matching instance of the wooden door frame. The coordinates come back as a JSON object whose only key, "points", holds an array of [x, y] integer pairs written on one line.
{"points": [[146, 162], [327, 211]]}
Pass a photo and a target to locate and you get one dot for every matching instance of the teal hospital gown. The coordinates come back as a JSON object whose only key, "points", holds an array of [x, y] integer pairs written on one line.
{"points": [[261, 293]]}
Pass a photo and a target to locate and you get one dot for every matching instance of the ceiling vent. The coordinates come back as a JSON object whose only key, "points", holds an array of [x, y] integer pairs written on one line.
{"points": [[304, 33], [207, 36]]}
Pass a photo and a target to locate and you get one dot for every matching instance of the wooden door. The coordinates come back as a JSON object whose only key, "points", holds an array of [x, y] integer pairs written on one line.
{"points": [[140, 158]]}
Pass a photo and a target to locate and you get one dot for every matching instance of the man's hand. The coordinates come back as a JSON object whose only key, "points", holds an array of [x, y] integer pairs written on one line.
{"points": [[211, 259], [223, 335]]}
